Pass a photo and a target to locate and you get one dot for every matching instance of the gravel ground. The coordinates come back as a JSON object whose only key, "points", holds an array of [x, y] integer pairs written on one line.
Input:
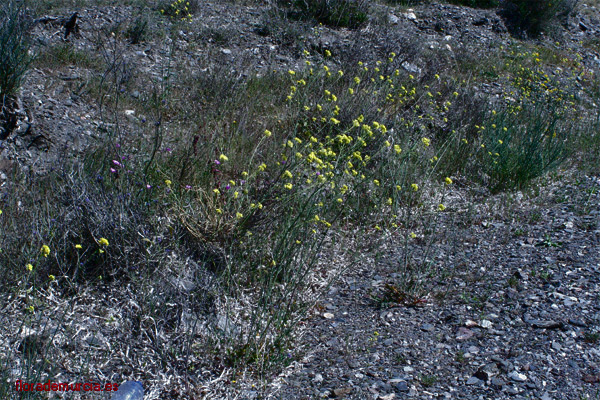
{"points": [[515, 314]]}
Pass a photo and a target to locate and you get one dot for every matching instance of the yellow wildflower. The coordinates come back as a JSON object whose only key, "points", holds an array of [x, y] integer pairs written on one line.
{"points": [[29, 267], [103, 242], [448, 181], [45, 250]]}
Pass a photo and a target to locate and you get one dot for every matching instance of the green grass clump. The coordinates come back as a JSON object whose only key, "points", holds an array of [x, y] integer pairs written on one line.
{"points": [[537, 16], [66, 54], [14, 48], [137, 31], [337, 13]]}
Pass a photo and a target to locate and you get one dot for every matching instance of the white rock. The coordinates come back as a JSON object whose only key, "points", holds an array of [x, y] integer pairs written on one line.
{"points": [[517, 377], [411, 67], [485, 324], [410, 16], [318, 378]]}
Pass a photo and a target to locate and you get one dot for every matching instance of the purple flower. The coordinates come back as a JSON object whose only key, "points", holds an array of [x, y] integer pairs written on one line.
{"points": [[188, 187], [117, 145], [227, 187], [217, 162], [118, 164], [168, 149], [318, 173], [114, 171], [148, 186]]}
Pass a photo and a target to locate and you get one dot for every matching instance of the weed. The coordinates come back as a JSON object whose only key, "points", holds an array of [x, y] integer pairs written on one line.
{"points": [[428, 380], [14, 48], [537, 16], [548, 242], [339, 13], [519, 232], [401, 359], [66, 54], [137, 31], [592, 337]]}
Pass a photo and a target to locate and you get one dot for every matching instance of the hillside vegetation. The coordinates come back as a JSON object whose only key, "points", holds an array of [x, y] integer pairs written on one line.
{"points": [[184, 185]]}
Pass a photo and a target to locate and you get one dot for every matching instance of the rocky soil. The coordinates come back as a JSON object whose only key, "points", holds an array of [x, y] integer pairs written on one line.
{"points": [[515, 315]]}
